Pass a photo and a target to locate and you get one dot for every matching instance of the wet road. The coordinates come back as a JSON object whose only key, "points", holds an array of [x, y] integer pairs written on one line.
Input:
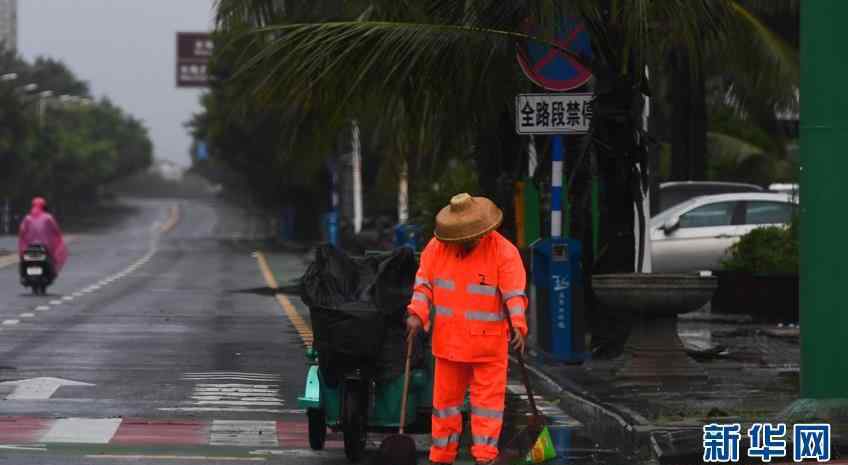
{"points": [[147, 351]]}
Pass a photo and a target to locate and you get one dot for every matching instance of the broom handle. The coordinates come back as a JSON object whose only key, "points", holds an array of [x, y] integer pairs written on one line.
{"points": [[525, 377], [405, 382]]}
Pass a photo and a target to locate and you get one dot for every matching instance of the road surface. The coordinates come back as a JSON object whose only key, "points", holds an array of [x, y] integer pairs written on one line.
{"points": [[152, 348]]}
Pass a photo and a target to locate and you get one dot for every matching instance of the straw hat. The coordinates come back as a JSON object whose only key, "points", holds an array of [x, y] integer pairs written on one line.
{"points": [[467, 218]]}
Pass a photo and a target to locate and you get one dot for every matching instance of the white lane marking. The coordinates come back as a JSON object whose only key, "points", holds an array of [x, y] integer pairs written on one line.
{"points": [[68, 298], [177, 458], [229, 378], [55, 302], [77, 294], [229, 390], [236, 385], [300, 453], [16, 447], [239, 373], [243, 433], [11, 322], [238, 403], [38, 388], [234, 409], [42, 308], [82, 430], [242, 397], [27, 315]]}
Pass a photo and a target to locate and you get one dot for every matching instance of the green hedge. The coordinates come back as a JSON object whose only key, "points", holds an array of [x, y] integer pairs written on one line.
{"points": [[766, 250]]}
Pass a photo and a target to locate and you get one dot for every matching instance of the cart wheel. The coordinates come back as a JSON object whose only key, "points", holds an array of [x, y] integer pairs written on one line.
{"points": [[354, 422], [317, 428]]}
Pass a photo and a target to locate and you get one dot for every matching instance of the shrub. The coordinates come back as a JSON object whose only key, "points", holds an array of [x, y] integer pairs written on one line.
{"points": [[766, 250]]}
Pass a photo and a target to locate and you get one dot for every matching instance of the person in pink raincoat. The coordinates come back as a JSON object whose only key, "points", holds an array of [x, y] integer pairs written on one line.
{"points": [[39, 227]]}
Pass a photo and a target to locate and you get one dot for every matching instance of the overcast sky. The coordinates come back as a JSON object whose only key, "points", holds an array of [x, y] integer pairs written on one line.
{"points": [[125, 49]]}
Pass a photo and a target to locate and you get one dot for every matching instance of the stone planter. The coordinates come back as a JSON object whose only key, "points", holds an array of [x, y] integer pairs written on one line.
{"points": [[654, 353]]}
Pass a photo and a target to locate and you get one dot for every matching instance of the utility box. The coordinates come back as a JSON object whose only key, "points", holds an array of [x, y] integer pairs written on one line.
{"points": [[557, 283]]}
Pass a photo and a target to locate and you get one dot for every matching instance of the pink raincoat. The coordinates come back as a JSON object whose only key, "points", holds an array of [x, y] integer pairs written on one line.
{"points": [[39, 227]]}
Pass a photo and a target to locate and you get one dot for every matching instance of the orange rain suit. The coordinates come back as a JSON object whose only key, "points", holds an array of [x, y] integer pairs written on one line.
{"points": [[468, 294]]}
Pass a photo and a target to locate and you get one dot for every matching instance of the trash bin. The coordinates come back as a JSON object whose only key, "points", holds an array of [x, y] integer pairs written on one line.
{"points": [[557, 287], [330, 227], [407, 235]]}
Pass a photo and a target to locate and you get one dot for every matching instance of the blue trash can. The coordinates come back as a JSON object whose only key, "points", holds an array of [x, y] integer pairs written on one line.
{"points": [[559, 301], [408, 235], [330, 227]]}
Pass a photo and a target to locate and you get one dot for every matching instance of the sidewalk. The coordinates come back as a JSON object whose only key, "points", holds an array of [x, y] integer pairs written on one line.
{"points": [[752, 379]]}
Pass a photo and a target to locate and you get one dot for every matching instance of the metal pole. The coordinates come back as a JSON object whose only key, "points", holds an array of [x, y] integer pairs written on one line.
{"points": [[7, 216], [403, 194], [357, 180], [557, 188], [824, 257]]}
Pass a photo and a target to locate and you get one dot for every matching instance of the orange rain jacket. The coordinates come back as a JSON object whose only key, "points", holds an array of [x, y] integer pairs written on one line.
{"points": [[468, 295]]}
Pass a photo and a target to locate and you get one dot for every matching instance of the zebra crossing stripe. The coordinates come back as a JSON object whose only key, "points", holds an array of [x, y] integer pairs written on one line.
{"points": [[82, 430], [243, 433]]}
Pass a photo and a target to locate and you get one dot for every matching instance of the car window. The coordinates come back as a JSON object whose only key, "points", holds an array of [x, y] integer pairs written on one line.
{"points": [[768, 212], [714, 214]]}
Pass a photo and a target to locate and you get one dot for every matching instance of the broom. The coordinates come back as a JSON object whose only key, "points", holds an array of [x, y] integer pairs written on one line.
{"points": [[541, 449], [399, 449]]}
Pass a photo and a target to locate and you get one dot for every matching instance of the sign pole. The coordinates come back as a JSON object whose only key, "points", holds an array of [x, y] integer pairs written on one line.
{"points": [[557, 189]]}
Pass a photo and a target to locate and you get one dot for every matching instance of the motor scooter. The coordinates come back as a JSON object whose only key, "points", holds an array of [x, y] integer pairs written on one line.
{"points": [[36, 269]]}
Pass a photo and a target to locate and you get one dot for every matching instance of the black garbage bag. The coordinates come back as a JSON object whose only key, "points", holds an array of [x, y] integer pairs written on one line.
{"points": [[335, 278], [394, 282], [358, 308]]}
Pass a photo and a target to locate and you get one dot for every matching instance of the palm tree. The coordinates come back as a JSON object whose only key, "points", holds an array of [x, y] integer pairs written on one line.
{"points": [[456, 59]]}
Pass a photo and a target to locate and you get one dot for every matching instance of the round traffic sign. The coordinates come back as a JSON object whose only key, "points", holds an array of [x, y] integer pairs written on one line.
{"points": [[551, 68]]}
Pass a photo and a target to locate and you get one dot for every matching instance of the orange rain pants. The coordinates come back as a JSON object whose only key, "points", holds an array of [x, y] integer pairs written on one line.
{"points": [[487, 381]]}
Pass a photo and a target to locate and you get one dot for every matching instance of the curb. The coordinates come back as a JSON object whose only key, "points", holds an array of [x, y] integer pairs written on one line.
{"points": [[598, 419]]}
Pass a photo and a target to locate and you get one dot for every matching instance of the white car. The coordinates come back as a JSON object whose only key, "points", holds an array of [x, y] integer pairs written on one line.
{"points": [[695, 235]]}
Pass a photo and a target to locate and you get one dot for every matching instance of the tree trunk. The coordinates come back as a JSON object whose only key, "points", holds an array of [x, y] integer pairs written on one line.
{"points": [[689, 121]]}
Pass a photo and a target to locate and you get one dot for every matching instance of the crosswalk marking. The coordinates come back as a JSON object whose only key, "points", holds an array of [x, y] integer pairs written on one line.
{"points": [[243, 433], [233, 396], [82, 430]]}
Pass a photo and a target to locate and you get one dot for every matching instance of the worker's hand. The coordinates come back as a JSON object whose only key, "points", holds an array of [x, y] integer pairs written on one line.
{"points": [[413, 325], [518, 342]]}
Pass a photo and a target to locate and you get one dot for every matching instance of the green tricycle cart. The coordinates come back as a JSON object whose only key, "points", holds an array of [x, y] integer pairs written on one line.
{"points": [[357, 405]]}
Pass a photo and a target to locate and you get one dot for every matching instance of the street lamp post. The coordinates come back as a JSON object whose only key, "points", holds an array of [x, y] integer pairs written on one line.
{"points": [[42, 105]]}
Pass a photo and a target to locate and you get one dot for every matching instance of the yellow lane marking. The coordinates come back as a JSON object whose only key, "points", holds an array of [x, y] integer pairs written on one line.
{"points": [[176, 457], [12, 259], [302, 327], [173, 219]]}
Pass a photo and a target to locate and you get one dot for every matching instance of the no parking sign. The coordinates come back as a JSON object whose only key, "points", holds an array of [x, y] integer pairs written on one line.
{"points": [[551, 68]]}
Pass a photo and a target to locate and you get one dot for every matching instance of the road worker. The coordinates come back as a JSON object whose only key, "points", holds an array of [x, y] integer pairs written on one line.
{"points": [[472, 279]]}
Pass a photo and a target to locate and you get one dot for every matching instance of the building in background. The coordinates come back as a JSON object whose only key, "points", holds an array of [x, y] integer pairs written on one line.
{"points": [[9, 23]]}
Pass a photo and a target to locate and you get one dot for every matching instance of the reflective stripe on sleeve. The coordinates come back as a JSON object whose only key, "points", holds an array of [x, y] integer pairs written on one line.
{"points": [[483, 316], [420, 296], [516, 311], [482, 289], [444, 442], [487, 412], [444, 311], [444, 283], [422, 282], [446, 412], [511, 294]]}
